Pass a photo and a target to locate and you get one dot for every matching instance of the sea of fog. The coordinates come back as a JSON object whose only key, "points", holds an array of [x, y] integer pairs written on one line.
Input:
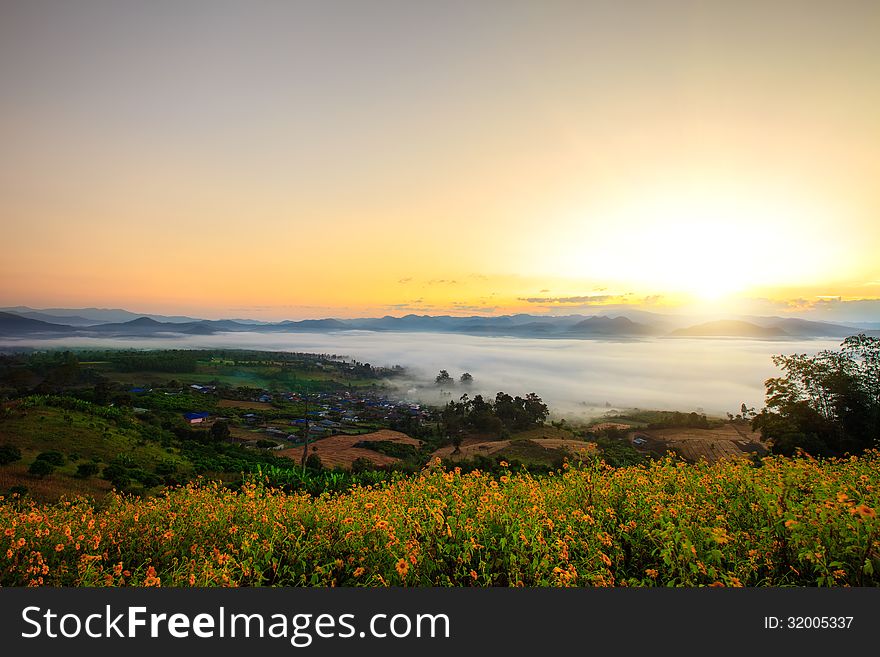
{"points": [[575, 377]]}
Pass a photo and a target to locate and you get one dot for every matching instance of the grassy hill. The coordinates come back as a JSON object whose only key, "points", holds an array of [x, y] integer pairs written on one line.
{"points": [[80, 437]]}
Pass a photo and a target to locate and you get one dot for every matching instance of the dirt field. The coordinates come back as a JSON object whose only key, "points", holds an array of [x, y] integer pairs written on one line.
{"points": [[341, 451], [487, 448], [254, 406], [602, 426], [730, 440]]}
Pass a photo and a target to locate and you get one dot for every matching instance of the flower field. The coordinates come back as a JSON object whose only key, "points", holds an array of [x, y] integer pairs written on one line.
{"points": [[788, 522]]}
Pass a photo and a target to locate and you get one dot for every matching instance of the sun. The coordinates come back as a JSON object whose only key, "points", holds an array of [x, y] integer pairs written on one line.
{"points": [[707, 243]]}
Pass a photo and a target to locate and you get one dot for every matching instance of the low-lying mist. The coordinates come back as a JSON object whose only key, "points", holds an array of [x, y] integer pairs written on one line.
{"points": [[574, 377]]}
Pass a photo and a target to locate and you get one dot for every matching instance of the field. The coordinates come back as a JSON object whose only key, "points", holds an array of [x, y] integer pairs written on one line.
{"points": [[729, 440], [340, 451], [788, 522], [248, 405], [542, 445]]}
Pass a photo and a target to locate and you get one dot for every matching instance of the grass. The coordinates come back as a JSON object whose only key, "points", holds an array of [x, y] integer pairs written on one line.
{"points": [[72, 432], [82, 438], [789, 522]]}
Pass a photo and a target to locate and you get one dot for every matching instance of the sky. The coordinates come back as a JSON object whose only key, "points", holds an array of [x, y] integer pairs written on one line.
{"points": [[309, 159]]}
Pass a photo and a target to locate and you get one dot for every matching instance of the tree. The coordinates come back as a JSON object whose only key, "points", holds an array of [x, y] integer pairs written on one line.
{"points": [[220, 430], [313, 462], [827, 404], [9, 454], [466, 379], [443, 379], [52, 458], [41, 468], [86, 470]]}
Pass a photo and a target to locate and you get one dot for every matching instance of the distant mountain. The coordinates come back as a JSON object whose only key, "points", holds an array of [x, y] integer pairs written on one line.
{"points": [[804, 328], [730, 328], [143, 326], [306, 325], [68, 320], [96, 315], [11, 324], [614, 324], [611, 326]]}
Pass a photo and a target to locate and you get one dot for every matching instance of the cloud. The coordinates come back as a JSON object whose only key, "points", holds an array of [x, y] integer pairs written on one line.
{"points": [[587, 299], [404, 281], [442, 281]]}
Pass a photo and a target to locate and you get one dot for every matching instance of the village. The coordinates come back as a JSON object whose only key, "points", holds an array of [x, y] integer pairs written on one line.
{"points": [[280, 421]]}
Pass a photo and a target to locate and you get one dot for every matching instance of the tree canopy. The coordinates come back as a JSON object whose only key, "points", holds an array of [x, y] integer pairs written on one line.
{"points": [[827, 404]]}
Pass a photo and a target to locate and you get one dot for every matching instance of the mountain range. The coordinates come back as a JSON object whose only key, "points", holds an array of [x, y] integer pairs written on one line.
{"points": [[24, 322]]}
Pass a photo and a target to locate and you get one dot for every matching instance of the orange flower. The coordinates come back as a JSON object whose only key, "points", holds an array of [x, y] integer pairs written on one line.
{"points": [[359, 571], [59, 547], [864, 511], [650, 572], [402, 567]]}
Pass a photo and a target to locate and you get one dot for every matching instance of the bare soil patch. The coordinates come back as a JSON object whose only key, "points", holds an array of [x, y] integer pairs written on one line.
{"points": [[732, 440], [340, 450]]}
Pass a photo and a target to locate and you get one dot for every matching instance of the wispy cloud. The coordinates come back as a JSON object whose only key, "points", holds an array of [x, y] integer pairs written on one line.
{"points": [[589, 298]]}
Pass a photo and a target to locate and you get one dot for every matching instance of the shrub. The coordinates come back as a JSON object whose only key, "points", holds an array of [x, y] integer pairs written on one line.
{"points": [[9, 454], [41, 468], [53, 458], [86, 470]]}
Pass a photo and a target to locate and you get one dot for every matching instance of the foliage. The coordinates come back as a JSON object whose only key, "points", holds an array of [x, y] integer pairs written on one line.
{"points": [[220, 430], [9, 454], [493, 417], [619, 453], [828, 404], [53, 457], [86, 470], [790, 522], [443, 379], [677, 419], [41, 468], [390, 448]]}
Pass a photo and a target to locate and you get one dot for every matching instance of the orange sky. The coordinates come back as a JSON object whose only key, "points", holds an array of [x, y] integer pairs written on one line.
{"points": [[285, 162]]}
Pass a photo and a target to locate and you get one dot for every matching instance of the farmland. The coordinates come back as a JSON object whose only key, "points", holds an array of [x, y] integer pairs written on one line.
{"points": [[789, 522], [342, 451]]}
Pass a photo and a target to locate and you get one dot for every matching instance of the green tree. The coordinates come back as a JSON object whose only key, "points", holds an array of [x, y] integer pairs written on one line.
{"points": [[86, 470], [220, 430], [41, 468], [53, 458], [443, 378], [827, 404], [9, 454], [466, 379]]}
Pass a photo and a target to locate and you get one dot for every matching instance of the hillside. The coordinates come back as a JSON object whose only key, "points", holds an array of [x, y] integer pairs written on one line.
{"points": [[12, 324], [730, 328]]}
